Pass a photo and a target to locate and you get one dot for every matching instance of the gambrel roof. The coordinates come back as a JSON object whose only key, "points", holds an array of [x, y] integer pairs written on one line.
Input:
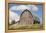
{"points": [[26, 10]]}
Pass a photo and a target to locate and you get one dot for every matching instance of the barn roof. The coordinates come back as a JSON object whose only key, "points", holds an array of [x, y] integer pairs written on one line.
{"points": [[25, 11]]}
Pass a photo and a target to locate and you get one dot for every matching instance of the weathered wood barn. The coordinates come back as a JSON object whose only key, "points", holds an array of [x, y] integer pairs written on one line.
{"points": [[26, 17]]}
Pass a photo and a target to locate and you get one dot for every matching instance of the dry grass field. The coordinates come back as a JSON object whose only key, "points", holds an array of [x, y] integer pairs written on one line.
{"points": [[28, 27]]}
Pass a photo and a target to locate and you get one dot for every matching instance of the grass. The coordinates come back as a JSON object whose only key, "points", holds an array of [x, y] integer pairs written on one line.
{"points": [[21, 27]]}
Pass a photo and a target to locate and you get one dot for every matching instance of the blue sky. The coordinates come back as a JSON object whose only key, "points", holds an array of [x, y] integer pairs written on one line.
{"points": [[37, 11]]}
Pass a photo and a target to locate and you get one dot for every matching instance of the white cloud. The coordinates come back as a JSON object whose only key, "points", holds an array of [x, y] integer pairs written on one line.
{"points": [[23, 7], [20, 7], [13, 16], [34, 8]]}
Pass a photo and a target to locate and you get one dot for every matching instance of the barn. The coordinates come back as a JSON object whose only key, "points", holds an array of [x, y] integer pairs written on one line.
{"points": [[26, 17]]}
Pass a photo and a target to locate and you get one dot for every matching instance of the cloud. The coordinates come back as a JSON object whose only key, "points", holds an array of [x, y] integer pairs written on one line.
{"points": [[23, 7], [33, 7], [20, 7], [13, 16]]}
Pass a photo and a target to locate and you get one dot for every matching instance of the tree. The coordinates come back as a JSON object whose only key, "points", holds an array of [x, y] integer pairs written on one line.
{"points": [[36, 20]]}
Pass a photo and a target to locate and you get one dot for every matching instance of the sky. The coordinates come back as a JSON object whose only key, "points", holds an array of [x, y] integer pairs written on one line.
{"points": [[36, 10]]}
